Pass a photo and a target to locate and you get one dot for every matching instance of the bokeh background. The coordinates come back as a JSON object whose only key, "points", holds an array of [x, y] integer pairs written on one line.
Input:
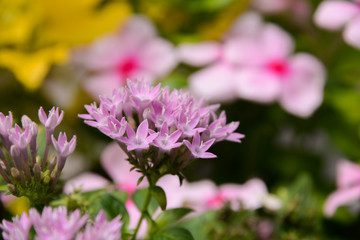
{"points": [[39, 39]]}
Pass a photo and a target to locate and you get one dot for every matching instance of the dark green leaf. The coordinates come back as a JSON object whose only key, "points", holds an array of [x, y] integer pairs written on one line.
{"points": [[113, 207], [159, 195], [140, 180], [175, 233], [139, 198], [171, 216]]}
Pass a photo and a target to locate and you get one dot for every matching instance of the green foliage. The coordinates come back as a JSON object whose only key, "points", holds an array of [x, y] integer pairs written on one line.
{"points": [[159, 195], [139, 198], [173, 233]]}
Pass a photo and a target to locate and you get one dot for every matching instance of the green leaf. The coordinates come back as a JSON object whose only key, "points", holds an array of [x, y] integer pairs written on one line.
{"points": [[171, 216], [122, 196], [175, 233], [113, 207], [41, 140], [159, 195], [139, 180], [3, 188], [139, 198]]}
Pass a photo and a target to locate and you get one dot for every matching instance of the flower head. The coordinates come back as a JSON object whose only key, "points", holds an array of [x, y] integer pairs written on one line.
{"points": [[18, 229], [157, 123], [52, 120]]}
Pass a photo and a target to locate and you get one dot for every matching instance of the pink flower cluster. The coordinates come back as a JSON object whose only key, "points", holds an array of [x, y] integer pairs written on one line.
{"points": [[20, 167], [335, 15], [57, 223], [256, 62], [135, 51], [156, 126]]}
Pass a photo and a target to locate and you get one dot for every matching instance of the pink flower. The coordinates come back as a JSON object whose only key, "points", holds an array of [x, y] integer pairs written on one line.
{"points": [[18, 229], [135, 51], [255, 62], [101, 229], [140, 139], [56, 223], [198, 148], [348, 192], [334, 15]]}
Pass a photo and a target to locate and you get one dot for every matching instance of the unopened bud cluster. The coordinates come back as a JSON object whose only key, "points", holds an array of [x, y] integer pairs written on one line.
{"points": [[26, 172]]}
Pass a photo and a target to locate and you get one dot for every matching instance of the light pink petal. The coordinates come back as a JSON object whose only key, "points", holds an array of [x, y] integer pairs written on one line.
{"points": [[130, 131], [113, 160], [158, 57], [250, 194], [276, 43], [143, 129], [248, 24], [257, 85], [196, 139], [138, 29], [171, 185], [341, 197], [271, 6], [199, 54], [208, 155], [347, 174], [102, 55], [352, 32], [303, 90], [214, 83], [333, 15], [102, 84], [86, 182], [244, 51]]}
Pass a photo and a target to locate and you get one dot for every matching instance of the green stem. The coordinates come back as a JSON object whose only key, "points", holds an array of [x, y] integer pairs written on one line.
{"points": [[144, 210]]}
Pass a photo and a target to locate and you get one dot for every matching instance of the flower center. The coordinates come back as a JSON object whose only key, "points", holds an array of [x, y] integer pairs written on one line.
{"points": [[278, 67], [127, 67]]}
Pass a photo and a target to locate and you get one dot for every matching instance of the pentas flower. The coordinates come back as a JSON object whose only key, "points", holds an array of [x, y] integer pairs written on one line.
{"points": [[56, 223], [27, 174], [59, 223], [158, 122], [166, 141], [198, 148], [139, 140], [18, 229], [335, 15], [133, 51], [255, 62], [101, 229]]}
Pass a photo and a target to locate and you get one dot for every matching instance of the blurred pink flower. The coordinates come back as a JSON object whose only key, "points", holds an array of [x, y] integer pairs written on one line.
{"points": [[255, 62], [134, 52], [299, 9], [348, 192], [334, 15]]}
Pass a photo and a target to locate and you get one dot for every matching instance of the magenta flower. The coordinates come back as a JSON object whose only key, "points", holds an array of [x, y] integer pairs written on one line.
{"points": [[135, 51], [166, 141], [140, 139], [101, 229], [51, 121], [348, 192], [20, 138], [62, 146], [335, 15], [198, 148], [255, 63], [56, 223], [18, 229]]}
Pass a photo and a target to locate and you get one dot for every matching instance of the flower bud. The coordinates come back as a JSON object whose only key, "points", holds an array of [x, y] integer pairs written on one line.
{"points": [[12, 188], [37, 171]]}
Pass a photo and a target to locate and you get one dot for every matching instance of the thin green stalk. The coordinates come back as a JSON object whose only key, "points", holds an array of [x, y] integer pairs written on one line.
{"points": [[143, 211]]}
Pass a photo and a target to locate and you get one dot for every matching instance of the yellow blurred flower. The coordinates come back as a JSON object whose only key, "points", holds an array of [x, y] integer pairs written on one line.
{"points": [[18, 206], [34, 34]]}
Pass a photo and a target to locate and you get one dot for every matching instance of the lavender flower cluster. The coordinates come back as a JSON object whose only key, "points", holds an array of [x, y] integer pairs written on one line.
{"points": [[159, 127], [27, 173], [57, 223]]}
